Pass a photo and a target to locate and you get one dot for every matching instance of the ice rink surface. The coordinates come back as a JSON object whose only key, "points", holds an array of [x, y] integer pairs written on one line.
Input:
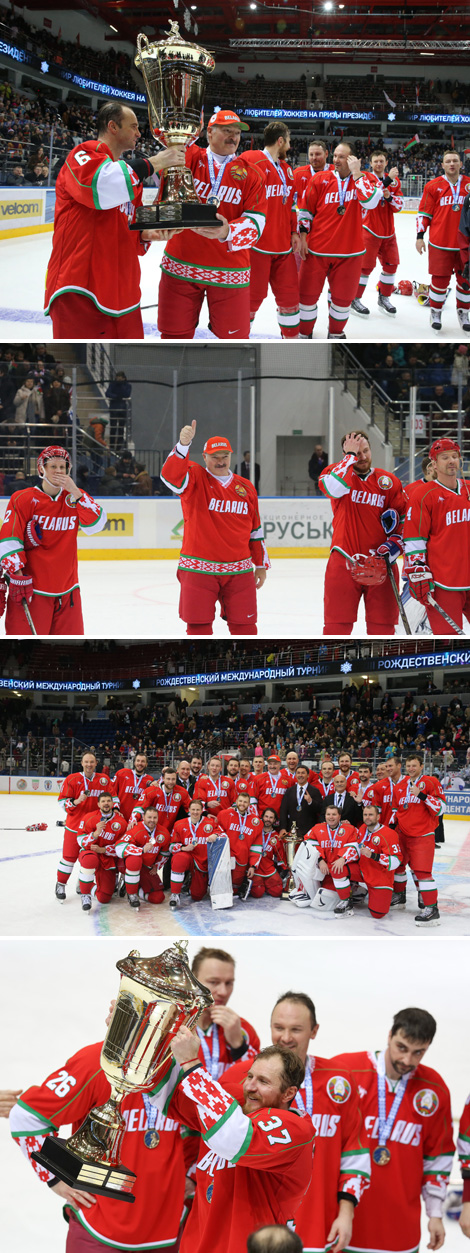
{"points": [[29, 859], [23, 264], [129, 598], [57, 1006]]}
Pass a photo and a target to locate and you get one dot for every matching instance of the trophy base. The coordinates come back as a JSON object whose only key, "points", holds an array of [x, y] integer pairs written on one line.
{"points": [[88, 1176], [170, 215]]}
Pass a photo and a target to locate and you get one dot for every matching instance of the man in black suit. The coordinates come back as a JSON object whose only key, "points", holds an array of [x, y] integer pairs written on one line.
{"points": [[301, 804], [245, 468], [196, 770], [349, 809]]}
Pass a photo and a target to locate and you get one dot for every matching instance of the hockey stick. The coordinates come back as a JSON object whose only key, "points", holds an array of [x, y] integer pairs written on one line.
{"points": [[445, 615], [397, 597], [28, 616]]}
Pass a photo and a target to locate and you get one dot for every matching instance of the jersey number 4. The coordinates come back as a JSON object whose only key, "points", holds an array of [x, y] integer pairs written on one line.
{"points": [[274, 1124]]}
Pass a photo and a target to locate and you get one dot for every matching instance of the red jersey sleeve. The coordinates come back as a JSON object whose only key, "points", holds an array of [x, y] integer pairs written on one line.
{"points": [[91, 516], [336, 480], [267, 1141], [96, 181], [426, 209], [65, 1097], [463, 1147], [178, 471], [17, 516]]}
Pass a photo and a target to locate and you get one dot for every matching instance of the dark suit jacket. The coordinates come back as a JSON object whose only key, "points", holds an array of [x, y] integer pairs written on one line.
{"points": [[350, 811], [308, 816]]}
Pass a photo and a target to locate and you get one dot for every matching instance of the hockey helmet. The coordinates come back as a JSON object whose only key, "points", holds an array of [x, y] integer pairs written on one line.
{"points": [[404, 287], [367, 570], [443, 445], [52, 451]]}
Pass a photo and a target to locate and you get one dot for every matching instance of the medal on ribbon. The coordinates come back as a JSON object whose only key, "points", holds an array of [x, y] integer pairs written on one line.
{"points": [[211, 1057], [306, 1107], [216, 179], [342, 192], [382, 1155], [151, 1137]]}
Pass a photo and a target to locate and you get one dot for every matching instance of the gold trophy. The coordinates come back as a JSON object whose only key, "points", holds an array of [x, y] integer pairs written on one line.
{"points": [[157, 995], [291, 843], [174, 73]]}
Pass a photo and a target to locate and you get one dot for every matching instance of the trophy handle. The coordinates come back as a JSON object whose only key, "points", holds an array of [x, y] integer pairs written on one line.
{"points": [[142, 44]]}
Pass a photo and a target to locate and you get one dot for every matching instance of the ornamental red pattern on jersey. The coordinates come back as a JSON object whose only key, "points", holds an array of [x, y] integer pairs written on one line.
{"points": [[67, 1096], [53, 565], [421, 1149], [222, 526], [93, 250], [195, 259], [358, 502]]}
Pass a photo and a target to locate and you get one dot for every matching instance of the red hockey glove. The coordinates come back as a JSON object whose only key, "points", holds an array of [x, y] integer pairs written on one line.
{"points": [[37, 826], [420, 582], [21, 587], [368, 570], [3, 597], [33, 534]]}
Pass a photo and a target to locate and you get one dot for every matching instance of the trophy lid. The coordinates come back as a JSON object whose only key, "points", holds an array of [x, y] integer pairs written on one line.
{"points": [[167, 974], [174, 48]]}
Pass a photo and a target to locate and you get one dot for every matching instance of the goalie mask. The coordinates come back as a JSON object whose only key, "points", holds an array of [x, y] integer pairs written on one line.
{"points": [[367, 570], [48, 453]]}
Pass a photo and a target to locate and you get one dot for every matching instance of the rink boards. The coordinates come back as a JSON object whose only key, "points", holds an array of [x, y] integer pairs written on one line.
{"points": [[152, 528]]}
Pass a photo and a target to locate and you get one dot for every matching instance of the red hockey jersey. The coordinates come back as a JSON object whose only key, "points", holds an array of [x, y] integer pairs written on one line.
{"points": [[246, 787], [159, 838], [358, 503], [53, 565], [418, 815], [129, 788], [437, 531], [381, 793], [421, 1150], [270, 789], [195, 259], [251, 1171], [72, 788], [436, 210], [281, 219], [221, 792], [332, 843], [93, 250], [112, 837], [222, 526], [380, 221], [341, 1161], [168, 804], [241, 831], [185, 832], [267, 854], [333, 234], [302, 176], [67, 1096], [383, 841]]}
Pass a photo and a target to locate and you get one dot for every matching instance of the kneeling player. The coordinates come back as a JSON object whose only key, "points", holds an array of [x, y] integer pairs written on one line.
{"points": [[267, 866], [336, 842], [38, 549], [379, 857], [188, 848], [142, 858], [101, 842], [242, 827]]}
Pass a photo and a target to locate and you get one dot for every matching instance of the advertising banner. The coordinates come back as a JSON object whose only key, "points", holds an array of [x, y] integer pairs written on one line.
{"points": [[458, 803], [22, 208], [28, 785]]}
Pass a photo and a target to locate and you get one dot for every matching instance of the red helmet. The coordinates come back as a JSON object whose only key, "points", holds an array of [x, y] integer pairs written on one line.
{"points": [[53, 451], [404, 287], [443, 445], [367, 570]]}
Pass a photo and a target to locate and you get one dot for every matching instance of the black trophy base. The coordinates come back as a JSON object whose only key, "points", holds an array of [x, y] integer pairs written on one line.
{"points": [[88, 1176], [169, 216]]}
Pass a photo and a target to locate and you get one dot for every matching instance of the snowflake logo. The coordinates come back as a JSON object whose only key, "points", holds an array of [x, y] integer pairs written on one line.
{"points": [[346, 667], [136, 683], [391, 117], [44, 67]]}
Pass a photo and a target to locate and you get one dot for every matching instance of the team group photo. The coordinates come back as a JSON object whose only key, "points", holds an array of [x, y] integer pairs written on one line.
{"points": [[234, 612]]}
